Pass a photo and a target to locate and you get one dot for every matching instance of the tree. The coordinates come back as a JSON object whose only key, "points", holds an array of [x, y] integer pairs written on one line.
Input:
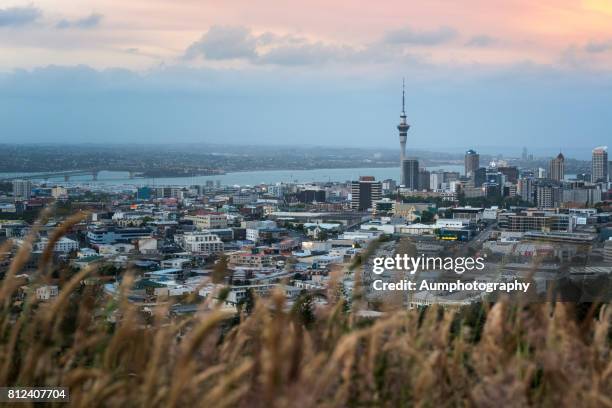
{"points": [[303, 309], [247, 303], [322, 235], [427, 216], [220, 270]]}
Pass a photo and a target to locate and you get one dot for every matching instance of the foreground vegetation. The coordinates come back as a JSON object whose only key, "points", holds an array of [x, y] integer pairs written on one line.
{"points": [[110, 353]]}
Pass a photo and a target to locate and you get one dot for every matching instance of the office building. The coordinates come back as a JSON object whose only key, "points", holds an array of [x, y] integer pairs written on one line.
{"points": [[548, 196], [22, 190], [389, 186], [410, 173], [511, 173], [424, 179], [582, 196], [112, 235], [200, 242], [311, 195], [534, 221], [212, 220], [364, 192], [526, 189], [63, 245], [472, 162], [436, 179], [556, 169], [599, 166], [541, 173], [479, 176]]}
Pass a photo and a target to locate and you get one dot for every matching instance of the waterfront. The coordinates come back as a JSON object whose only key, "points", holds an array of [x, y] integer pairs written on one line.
{"points": [[245, 178]]}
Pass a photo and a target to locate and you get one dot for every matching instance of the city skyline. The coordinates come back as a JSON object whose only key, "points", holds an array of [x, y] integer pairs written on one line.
{"points": [[203, 203]]}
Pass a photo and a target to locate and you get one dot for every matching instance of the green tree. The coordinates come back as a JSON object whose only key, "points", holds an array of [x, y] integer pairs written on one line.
{"points": [[303, 309], [247, 304], [427, 216], [220, 270]]}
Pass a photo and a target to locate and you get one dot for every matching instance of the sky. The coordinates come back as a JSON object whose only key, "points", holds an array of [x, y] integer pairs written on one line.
{"points": [[489, 75]]}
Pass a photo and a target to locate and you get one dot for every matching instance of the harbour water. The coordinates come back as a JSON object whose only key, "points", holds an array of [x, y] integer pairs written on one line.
{"points": [[244, 178]]}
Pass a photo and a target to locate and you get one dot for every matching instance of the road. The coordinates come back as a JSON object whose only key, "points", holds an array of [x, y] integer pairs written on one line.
{"points": [[482, 236]]}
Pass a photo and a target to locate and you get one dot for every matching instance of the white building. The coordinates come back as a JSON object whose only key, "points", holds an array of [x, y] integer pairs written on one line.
{"points": [[147, 245], [200, 242], [59, 192], [416, 229], [47, 292], [455, 223], [63, 245], [208, 221], [174, 263]]}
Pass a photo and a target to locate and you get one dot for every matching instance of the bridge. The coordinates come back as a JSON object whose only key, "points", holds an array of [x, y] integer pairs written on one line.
{"points": [[58, 175]]}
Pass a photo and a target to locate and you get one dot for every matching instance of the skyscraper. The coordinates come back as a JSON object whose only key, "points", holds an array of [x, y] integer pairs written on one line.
{"points": [[424, 179], [556, 169], [526, 187], [403, 134], [410, 173], [548, 195], [479, 176], [599, 166], [364, 192], [472, 162]]}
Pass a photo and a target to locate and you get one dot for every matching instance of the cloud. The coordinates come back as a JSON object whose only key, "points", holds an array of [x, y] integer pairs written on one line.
{"points": [[482, 41], [407, 35], [240, 43], [594, 47], [90, 21], [18, 16], [268, 48], [225, 43]]}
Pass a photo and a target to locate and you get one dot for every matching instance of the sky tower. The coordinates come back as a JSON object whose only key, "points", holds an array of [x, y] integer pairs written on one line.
{"points": [[403, 133]]}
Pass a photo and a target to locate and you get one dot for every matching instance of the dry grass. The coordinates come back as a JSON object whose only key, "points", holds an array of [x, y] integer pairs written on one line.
{"points": [[508, 355]]}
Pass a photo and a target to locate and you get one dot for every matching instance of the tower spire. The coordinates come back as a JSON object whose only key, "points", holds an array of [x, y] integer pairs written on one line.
{"points": [[403, 97], [403, 132]]}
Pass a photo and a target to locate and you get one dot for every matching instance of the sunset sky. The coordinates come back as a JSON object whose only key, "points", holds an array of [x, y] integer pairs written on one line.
{"points": [[479, 73]]}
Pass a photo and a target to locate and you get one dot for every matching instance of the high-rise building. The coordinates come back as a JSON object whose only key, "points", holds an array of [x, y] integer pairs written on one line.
{"points": [[22, 189], [548, 196], [364, 192], [479, 176], [510, 172], [403, 134], [526, 188], [410, 173], [472, 162], [424, 179], [524, 155], [450, 176], [556, 169], [599, 166], [389, 186], [436, 179]]}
